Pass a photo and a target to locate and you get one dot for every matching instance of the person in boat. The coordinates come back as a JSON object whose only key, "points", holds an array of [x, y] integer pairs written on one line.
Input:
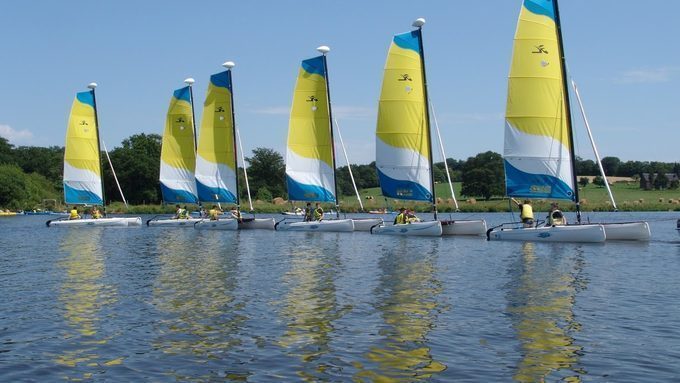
{"points": [[318, 212], [236, 214], [213, 213], [178, 212], [526, 212], [202, 213], [411, 216], [555, 216], [74, 214], [400, 219], [309, 213], [96, 214]]}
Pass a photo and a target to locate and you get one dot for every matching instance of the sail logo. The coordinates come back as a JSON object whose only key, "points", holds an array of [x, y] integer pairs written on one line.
{"points": [[405, 77], [540, 49], [313, 100], [542, 189], [219, 109], [83, 122], [404, 192]]}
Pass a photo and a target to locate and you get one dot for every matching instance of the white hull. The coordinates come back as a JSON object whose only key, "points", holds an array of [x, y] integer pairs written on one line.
{"points": [[627, 231], [113, 221], [257, 223], [365, 224], [571, 233], [464, 227], [292, 213], [221, 224], [330, 225], [428, 229], [173, 222]]}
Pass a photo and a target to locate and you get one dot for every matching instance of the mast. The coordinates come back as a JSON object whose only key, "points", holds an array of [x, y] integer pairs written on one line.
{"points": [[418, 23], [92, 86], [229, 65], [565, 89], [324, 49], [190, 82]]}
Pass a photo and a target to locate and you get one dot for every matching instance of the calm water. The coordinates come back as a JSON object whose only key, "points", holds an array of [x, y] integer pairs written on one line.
{"points": [[158, 304]]}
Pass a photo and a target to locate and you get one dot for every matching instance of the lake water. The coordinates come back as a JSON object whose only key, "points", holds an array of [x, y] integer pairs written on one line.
{"points": [[164, 304]]}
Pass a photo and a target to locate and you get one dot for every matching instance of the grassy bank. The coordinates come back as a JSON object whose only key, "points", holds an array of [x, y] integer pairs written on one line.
{"points": [[629, 197]]}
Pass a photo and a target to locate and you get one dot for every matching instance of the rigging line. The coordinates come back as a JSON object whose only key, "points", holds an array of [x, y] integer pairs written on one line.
{"points": [[114, 174]]}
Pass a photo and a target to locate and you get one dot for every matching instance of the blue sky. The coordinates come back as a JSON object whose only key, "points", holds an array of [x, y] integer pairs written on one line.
{"points": [[622, 54]]}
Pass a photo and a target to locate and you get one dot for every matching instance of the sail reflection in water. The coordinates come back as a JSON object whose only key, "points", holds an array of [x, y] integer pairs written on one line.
{"points": [[83, 295], [408, 299], [194, 293], [541, 303]]}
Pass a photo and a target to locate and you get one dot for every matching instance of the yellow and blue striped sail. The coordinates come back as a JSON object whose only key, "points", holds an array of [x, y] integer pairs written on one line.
{"points": [[537, 157], [402, 148], [216, 155], [178, 156], [310, 168], [82, 170]]}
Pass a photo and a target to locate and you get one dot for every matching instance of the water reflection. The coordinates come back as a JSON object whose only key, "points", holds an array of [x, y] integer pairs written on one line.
{"points": [[310, 304], [195, 294], [540, 301], [83, 295], [407, 299]]}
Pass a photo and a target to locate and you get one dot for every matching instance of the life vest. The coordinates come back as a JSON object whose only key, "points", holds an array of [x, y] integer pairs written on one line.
{"points": [[527, 212], [557, 218], [400, 219], [182, 213], [318, 214], [212, 214], [96, 214], [74, 214], [309, 214]]}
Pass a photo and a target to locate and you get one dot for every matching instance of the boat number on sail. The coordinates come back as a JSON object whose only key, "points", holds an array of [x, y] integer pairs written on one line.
{"points": [[542, 189], [404, 192]]}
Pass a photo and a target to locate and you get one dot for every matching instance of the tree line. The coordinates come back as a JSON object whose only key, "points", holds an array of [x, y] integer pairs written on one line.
{"points": [[31, 174]]}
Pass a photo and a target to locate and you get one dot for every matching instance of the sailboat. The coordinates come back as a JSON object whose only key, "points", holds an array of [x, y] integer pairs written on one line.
{"points": [[216, 157], [403, 142], [310, 155], [83, 183], [178, 156], [539, 151]]}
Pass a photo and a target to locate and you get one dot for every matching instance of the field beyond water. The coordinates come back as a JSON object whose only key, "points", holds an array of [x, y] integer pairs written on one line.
{"points": [[629, 197]]}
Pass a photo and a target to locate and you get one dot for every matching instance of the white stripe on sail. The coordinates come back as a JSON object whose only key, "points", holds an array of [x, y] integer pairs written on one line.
{"points": [[403, 164], [309, 171], [215, 175], [178, 179], [82, 179]]}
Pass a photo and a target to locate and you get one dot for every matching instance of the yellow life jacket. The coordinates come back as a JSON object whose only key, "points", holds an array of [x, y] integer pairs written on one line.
{"points": [[400, 219], [318, 214], [557, 218], [96, 214], [212, 214], [527, 212], [74, 214]]}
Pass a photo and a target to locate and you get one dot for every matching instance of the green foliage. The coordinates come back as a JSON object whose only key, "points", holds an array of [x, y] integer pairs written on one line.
{"points": [[267, 169], [47, 161], [674, 185], [483, 175], [263, 194], [6, 155], [583, 181], [598, 181], [19, 190], [611, 165], [137, 165], [660, 181]]}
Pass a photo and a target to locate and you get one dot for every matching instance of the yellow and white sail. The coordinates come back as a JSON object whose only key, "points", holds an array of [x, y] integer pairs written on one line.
{"points": [[178, 151], [216, 156], [82, 169]]}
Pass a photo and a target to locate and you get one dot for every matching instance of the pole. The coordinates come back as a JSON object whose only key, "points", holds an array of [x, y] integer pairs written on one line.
{"points": [[99, 150], [330, 125], [233, 126], [245, 172], [427, 117], [106, 151], [349, 167], [592, 143], [446, 165], [565, 89]]}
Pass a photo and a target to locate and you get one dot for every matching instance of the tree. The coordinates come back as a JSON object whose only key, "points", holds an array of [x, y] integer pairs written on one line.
{"points": [[19, 190], [583, 181], [660, 180], [6, 155], [263, 194], [46, 161], [267, 169], [611, 166], [599, 181], [483, 175], [137, 165]]}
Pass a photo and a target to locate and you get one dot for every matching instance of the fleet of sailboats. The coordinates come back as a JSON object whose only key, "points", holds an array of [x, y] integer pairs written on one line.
{"points": [[539, 154]]}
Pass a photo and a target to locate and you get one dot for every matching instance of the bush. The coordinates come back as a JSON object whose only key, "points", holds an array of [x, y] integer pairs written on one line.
{"points": [[263, 194]]}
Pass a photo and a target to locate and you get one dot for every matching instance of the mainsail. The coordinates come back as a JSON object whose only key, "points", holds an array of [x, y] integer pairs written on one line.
{"points": [[402, 134], [310, 168], [216, 155], [538, 148], [178, 151], [82, 168]]}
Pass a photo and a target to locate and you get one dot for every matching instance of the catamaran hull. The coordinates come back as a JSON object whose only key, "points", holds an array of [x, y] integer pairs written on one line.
{"points": [[627, 231], [365, 224], [173, 222], [114, 221], [257, 223], [341, 225], [464, 227], [425, 229], [572, 233], [222, 224]]}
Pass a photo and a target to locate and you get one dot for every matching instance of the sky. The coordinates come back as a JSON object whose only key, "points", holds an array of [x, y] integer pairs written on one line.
{"points": [[621, 53]]}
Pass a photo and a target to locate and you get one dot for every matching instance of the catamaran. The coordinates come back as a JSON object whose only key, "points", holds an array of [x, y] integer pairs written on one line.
{"points": [[178, 157], [310, 155], [539, 150], [216, 158], [83, 183], [403, 142]]}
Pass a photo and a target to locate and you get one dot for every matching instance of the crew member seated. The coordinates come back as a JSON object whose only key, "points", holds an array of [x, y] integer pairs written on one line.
{"points": [[555, 216]]}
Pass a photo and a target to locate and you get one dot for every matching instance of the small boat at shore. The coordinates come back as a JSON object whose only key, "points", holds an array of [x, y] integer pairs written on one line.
{"points": [[337, 225], [424, 229], [568, 233]]}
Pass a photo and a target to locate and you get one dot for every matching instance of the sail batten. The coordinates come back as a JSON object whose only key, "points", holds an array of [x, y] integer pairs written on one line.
{"points": [[402, 133], [82, 168], [178, 155], [310, 168], [537, 150], [216, 155]]}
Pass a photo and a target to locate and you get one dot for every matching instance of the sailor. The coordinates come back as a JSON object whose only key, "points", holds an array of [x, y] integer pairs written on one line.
{"points": [[213, 213], [184, 213], [74, 213], [96, 214], [178, 212], [309, 213], [555, 216], [400, 219], [318, 212], [236, 214], [411, 217], [526, 212]]}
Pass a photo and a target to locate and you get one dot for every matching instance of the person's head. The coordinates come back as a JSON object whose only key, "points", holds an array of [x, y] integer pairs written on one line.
{"points": [[526, 201], [318, 204], [554, 205], [214, 207], [309, 204]]}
